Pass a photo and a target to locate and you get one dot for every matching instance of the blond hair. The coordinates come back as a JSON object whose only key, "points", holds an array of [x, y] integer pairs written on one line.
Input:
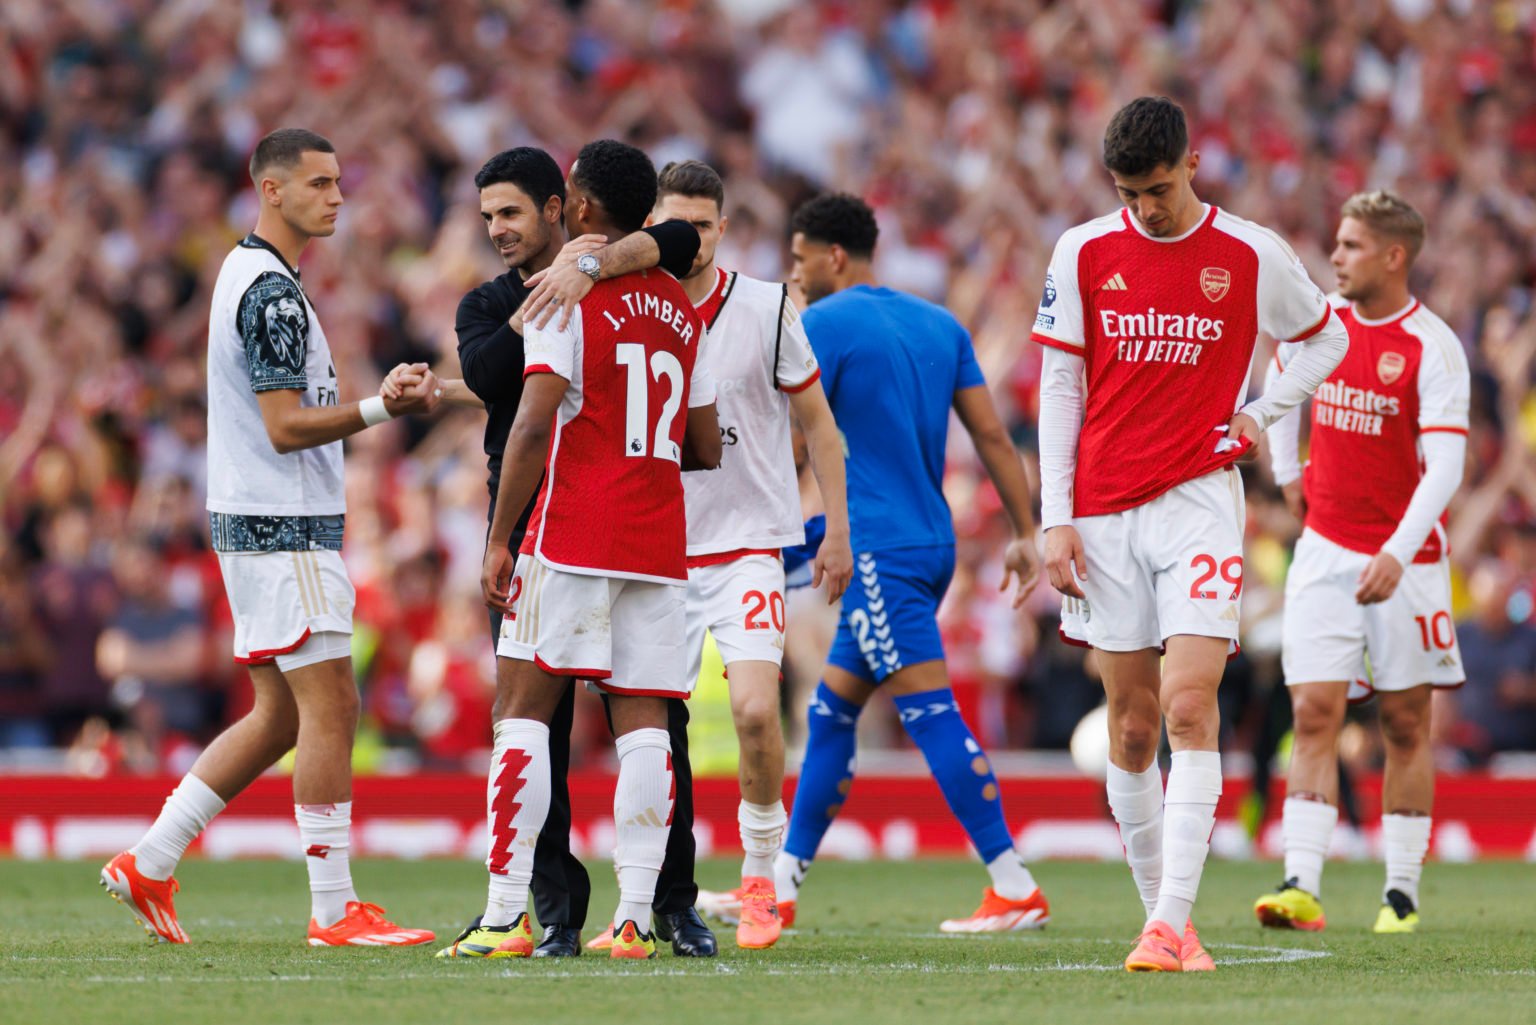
{"points": [[1388, 214]]}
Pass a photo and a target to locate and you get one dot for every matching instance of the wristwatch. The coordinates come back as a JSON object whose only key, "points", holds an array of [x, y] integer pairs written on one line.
{"points": [[588, 265]]}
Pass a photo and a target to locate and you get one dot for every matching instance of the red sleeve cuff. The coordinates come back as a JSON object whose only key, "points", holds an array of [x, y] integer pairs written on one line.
{"points": [[1056, 343], [803, 385], [540, 368], [1315, 328], [1444, 430]]}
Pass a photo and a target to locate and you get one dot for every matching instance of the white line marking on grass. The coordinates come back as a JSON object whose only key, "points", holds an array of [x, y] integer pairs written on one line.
{"points": [[1275, 955]]}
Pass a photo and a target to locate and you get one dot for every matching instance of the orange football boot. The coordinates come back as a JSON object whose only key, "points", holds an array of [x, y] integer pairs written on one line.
{"points": [[365, 926], [1192, 954], [760, 924], [148, 899], [999, 914], [1157, 950]]}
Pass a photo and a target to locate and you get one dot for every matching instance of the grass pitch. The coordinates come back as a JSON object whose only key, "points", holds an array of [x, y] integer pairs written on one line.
{"points": [[867, 949]]}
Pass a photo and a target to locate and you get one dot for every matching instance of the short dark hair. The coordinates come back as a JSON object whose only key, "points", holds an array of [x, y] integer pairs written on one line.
{"points": [[1145, 134], [839, 219], [621, 178], [527, 167], [692, 178], [285, 148]]}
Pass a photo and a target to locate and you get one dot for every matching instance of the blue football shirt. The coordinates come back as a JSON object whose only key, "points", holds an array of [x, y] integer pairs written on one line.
{"points": [[890, 365]]}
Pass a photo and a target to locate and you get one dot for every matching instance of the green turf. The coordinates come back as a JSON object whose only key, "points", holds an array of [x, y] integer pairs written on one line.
{"points": [[867, 950]]}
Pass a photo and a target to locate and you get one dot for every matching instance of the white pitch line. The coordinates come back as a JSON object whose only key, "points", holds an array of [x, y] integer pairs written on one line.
{"points": [[1281, 955]]}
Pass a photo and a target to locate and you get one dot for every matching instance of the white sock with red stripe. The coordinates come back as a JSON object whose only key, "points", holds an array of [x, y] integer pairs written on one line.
{"points": [[1136, 801], [642, 815], [325, 832], [517, 803], [186, 813], [1405, 844], [762, 836], [1189, 815]]}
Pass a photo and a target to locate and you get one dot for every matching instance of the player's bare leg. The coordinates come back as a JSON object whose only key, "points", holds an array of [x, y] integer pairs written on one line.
{"points": [[1407, 800], [964, 774], [754, 688], [141, 878], [643, 799]]}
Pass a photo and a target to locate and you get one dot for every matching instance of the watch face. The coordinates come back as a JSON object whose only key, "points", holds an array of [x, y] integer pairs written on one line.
{"points": [[586, 263]]}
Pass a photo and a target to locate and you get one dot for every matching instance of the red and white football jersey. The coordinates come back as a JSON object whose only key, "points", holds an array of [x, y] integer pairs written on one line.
{"points": [[1403, 376], [757, 354], [612, 500], [1166, 328]]}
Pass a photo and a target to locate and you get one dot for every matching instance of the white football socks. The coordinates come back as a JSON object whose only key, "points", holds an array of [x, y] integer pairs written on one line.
{"points": [[1136, 800], [1306, 830], [788, 876], [186, 813], [516, 805], [762, 836], [642, 815], [1011, 880], [1405, 843], [325, 832], [1189, 814]]}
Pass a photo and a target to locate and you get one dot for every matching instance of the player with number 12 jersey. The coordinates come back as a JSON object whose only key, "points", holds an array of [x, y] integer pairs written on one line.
{"points": [[612, 397]]}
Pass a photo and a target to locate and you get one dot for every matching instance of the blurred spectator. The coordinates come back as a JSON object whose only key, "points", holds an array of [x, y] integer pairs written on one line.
{"points": [[75, 599], [1496, 708], [151, 653], [973, 129]]}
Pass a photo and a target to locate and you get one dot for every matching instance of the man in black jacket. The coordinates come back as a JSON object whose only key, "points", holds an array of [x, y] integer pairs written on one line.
{"points": [[522, 199]]}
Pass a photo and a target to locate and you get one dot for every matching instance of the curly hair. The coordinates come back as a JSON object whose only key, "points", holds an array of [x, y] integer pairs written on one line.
{"points": [[529, 168], [621, 178], [1145, 134], [838, 219]]}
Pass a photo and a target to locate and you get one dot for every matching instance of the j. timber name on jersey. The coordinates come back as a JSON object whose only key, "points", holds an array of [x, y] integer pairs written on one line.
{"points": [[1154, 337]]}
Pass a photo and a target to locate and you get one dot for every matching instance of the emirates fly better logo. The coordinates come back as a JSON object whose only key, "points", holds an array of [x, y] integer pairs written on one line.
{"points": [[1214, 282]]}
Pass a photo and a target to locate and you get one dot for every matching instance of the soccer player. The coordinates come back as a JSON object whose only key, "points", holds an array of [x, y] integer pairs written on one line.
{"points": [[740, 516], [614, 403], [1149, 320], [522, 200], [276, 510], [1371, 575], [893, 367]]}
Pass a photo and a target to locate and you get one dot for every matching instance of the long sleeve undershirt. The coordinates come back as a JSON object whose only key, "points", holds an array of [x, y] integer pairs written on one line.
{"points": [[1062, 399]]}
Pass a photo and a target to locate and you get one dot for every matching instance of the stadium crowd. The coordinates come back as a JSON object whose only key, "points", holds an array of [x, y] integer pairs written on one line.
{"points": [[973, 129]]}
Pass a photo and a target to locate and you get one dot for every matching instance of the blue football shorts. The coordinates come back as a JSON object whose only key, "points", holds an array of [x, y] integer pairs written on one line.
{"points": [[889, 617]]}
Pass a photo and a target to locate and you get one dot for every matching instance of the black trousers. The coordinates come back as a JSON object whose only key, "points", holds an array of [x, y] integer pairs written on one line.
{"points": [[561, 887]]}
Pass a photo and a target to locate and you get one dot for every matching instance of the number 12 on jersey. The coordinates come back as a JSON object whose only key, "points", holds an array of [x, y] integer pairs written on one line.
{"points": [[639, 438]]}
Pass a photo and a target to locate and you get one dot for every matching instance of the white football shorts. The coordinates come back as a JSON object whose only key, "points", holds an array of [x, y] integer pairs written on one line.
{"points": [[741, 603], [1410, 638], [626, 636], [1173, 565], [280, 599]]}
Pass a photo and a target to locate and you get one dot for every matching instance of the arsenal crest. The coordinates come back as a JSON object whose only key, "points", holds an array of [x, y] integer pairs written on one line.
{"points": [[1391, 366], [1214, 282]]}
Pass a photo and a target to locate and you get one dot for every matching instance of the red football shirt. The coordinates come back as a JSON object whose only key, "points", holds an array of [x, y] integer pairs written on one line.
{"points": [[1403, 376], [1166, 328], [612, 499]]}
